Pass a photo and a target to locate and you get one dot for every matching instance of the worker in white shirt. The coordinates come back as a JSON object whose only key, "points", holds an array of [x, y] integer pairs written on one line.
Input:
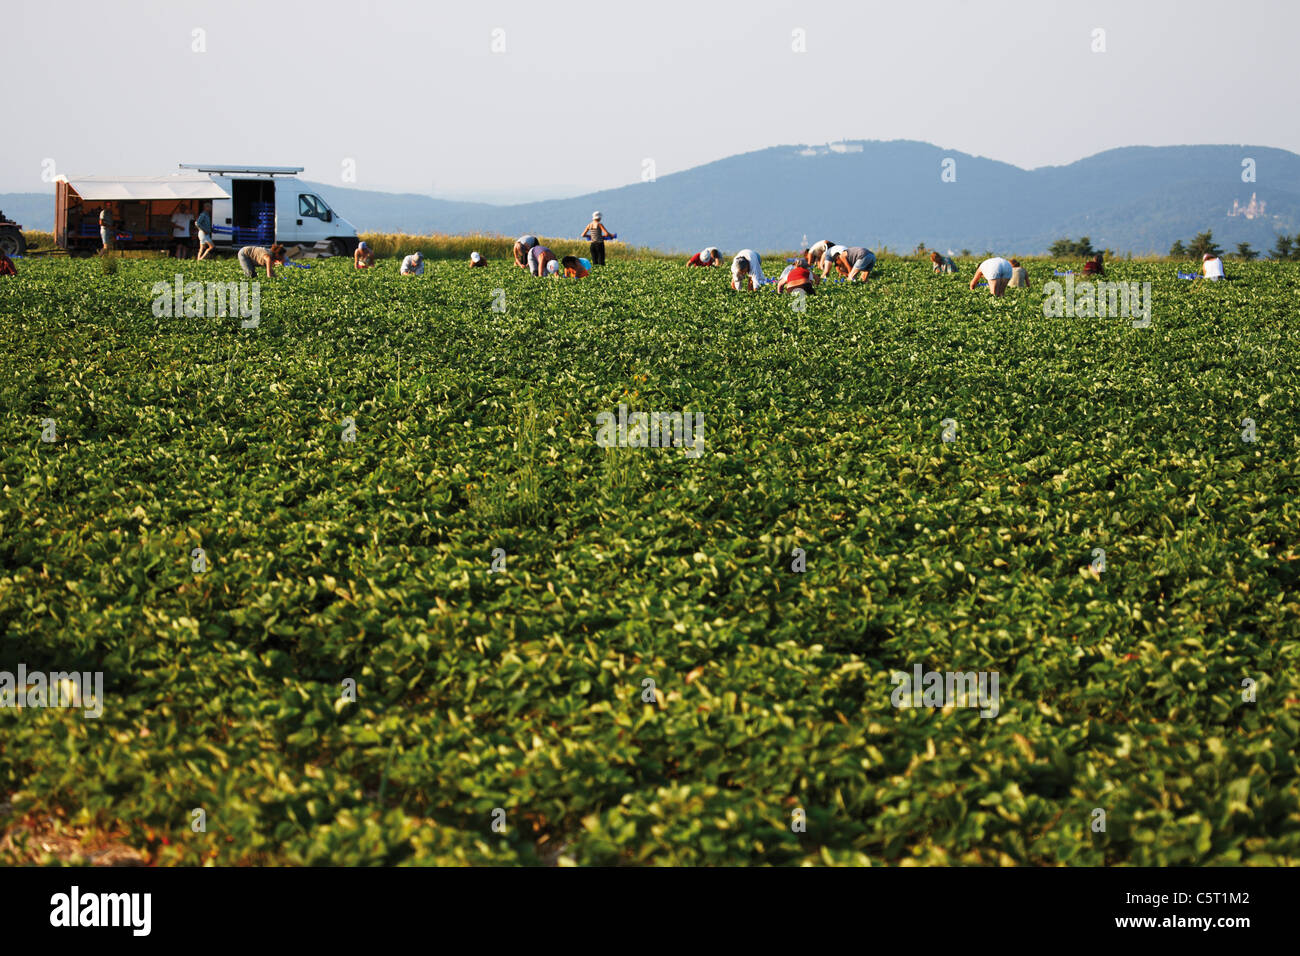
{"points": [[181, 232], [747, 267], [817, 250], [413, 265]]}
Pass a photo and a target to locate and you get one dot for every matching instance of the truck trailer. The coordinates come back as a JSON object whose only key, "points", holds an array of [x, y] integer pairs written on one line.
{"points": [[251, 205]]}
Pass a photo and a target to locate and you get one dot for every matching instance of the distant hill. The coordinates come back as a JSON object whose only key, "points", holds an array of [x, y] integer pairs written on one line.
{"points": [[31, 210], [1137, 199]]}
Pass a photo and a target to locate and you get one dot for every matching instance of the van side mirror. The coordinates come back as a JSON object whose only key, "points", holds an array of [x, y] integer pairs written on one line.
{"points": [[329, 215]]}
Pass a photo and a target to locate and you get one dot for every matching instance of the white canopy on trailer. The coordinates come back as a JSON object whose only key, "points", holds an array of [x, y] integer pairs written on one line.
{"points": [[128, 188]]}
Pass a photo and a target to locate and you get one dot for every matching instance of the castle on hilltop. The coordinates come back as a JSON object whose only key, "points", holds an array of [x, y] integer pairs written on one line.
{"points": [[840, 147], [1251, 210]]}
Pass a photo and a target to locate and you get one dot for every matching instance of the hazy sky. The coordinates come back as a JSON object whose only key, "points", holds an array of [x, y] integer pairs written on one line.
{"points": [[584, 93]]}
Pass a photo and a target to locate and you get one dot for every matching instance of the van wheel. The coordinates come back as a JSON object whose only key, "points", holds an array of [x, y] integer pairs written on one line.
{"points": [[339, 247]]}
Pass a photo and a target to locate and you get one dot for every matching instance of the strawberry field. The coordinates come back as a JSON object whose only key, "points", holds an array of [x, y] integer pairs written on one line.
{"points": [[364, 588]]}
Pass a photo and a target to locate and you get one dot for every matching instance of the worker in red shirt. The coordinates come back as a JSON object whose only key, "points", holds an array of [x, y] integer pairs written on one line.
{"points": [[706, 257], [797, 276], [573, 268]]}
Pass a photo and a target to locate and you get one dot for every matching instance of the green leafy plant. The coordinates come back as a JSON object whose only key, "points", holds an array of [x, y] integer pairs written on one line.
{"points": [[523, 689]]}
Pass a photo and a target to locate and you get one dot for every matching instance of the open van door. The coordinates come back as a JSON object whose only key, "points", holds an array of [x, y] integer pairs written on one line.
{"points": [[248, 217], [253, 205]]}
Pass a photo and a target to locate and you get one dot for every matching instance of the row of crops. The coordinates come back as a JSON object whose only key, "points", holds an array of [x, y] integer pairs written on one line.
{"points": [[364, 588]]}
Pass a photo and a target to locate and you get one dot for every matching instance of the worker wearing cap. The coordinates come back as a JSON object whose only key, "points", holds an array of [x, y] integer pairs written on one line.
{"points": [[413, 265], [476, 261], [596, 232], [523, 246], [849, 261], [706, 257], [540, 259], [363, 257]]}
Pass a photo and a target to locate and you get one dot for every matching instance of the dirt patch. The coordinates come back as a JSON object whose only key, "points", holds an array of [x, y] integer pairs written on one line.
{"points": [[42, 840]]}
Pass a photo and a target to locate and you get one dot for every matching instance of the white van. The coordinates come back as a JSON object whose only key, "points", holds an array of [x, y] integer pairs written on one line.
{"points": [[259, 208], [251, 205]]}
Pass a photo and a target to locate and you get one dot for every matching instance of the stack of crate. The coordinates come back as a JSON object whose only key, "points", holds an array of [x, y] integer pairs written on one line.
{"points": [[262, 230]]}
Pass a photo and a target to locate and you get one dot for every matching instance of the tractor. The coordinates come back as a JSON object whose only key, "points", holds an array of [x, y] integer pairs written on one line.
{"points": [[12, 241]]}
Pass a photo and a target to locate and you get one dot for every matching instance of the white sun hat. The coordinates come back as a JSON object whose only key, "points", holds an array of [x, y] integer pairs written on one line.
{"points": [[474, 257], [596, 215]]}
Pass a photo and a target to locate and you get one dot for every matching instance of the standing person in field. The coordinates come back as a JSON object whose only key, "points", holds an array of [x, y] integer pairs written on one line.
{"points": [[849, 261], [203, 223], [252, 256], [943, 264], [363, 257], [797, 275], [996, 271], [181, 233], [476, 260], [413, 265], [573, 268], [706, 257], [540, 259], [1019, 276], [596, 232], [523, 246], [107, 233], [1212, 267], [747, 267]]}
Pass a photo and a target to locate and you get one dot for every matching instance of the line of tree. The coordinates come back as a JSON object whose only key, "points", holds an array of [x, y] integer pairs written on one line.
{"points": [[1286, 248], [1072, 249]]}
